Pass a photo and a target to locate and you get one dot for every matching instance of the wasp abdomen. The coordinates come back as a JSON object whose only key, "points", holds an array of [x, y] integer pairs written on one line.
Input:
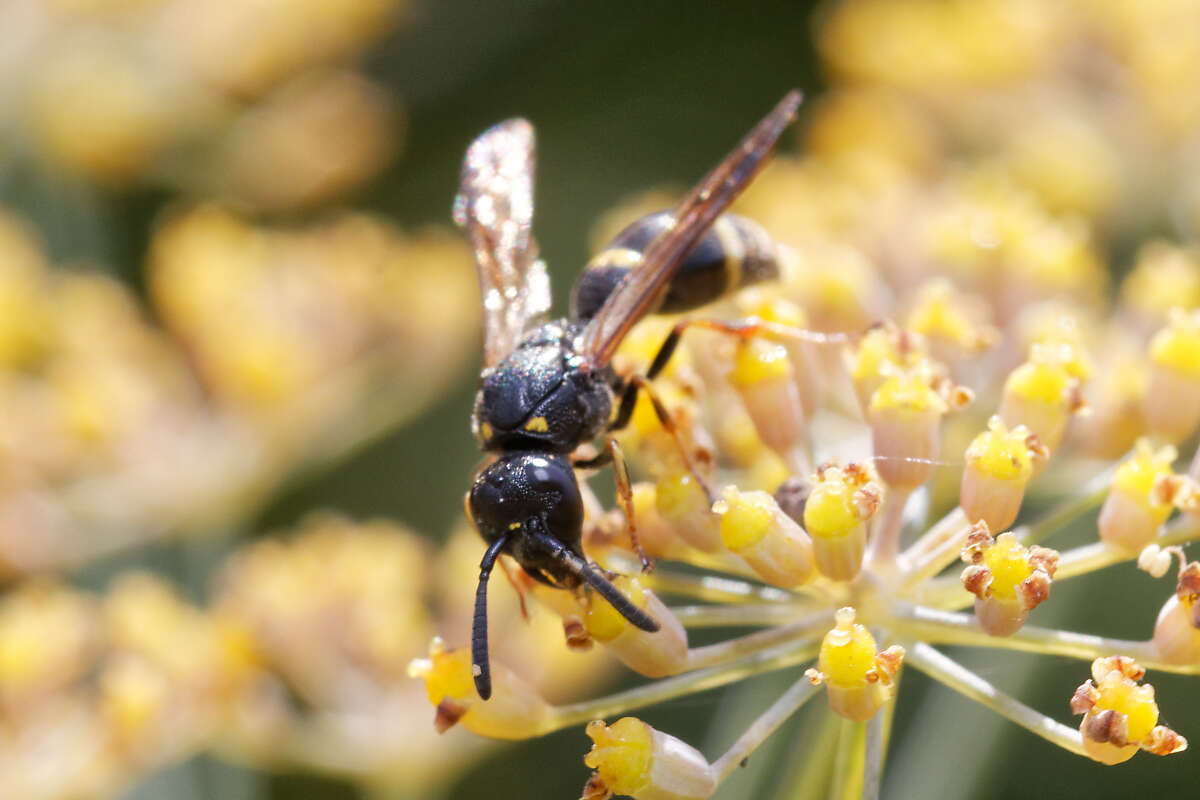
{"points": [[735, 252]]}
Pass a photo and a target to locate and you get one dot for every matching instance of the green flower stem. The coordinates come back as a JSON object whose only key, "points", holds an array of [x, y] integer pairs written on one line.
{"points": [[947, 592], [849, 761], [717, 616], [788, 703], [713, 588], [787, 655], [937, 549], [1098, 555], [948, 671], [944, 627], [875, 751], [885, 543], [809, 628]]}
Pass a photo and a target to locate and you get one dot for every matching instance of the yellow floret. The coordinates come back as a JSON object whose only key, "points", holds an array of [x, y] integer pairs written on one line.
{"points": [[940, 314], [758, 361], [678, 495], [1001, 453], [830, 511], [1040, 381], [1177, 346], [621, 753], [908, 391], [447, 674], [1009, 564], [1137, 474], [1136, 702], [603, 622], [1165, 276], [746, 520], [847, 653], [769, 308]]}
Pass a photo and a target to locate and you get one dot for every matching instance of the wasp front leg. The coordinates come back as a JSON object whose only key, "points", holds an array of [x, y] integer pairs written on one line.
{"points": [[612, 454]]}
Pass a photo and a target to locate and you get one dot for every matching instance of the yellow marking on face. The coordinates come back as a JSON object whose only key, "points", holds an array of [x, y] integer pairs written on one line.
{"points": [[537, 425]]}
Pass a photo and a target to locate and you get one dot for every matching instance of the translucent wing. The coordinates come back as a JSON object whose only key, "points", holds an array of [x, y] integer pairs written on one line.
{"points": [[495, 207], [641, 290]]}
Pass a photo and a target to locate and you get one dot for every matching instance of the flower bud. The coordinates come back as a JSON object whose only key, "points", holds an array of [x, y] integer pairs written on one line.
{"points": [[882, 350], [755, 528], [1177, 630], [1042, 393], [951, 322], [515, 711], [905, 415], [1172, 404], [633, 759], [682, 503], [835, 516], [1120, 715], [859, 680], [655, 655], [1007, 579], [766, 382], [1000, 463], [769, 307], [1134, 509]]}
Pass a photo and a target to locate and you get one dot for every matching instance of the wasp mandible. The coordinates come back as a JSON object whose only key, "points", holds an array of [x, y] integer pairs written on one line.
{"points": [[547, 388]]}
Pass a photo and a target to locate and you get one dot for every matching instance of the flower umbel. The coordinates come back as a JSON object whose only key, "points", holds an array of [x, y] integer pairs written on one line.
{"points": [[819, 407]]}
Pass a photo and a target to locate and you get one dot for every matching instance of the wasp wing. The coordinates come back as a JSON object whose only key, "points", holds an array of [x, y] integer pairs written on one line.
{"points": [[495, 207], [642, 289]]}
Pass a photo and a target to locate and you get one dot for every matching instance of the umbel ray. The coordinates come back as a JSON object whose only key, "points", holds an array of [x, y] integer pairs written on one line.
{"points": [[548, 387]]}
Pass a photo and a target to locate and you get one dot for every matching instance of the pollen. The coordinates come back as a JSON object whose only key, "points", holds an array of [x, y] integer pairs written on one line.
{"points": [[621, 754]]}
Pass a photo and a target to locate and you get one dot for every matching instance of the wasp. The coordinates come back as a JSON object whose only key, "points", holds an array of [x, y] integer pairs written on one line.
{"points": [[548, 387]]}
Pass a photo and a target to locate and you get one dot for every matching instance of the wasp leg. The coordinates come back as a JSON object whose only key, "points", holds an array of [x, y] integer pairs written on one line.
{"points": [[612, 454], [636, 383], [743, 330]]}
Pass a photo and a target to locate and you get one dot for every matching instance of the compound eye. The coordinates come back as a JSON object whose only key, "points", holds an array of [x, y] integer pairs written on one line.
{"points": [[554, 482]]}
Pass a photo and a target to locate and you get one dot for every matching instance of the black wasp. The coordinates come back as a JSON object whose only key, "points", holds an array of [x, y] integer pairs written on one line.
{"points": [[548, 388]]}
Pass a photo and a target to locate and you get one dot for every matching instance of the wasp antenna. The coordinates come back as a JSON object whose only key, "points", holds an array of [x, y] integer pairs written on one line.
{"points": [[479, 633], [557, 550], [636, 617]]}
